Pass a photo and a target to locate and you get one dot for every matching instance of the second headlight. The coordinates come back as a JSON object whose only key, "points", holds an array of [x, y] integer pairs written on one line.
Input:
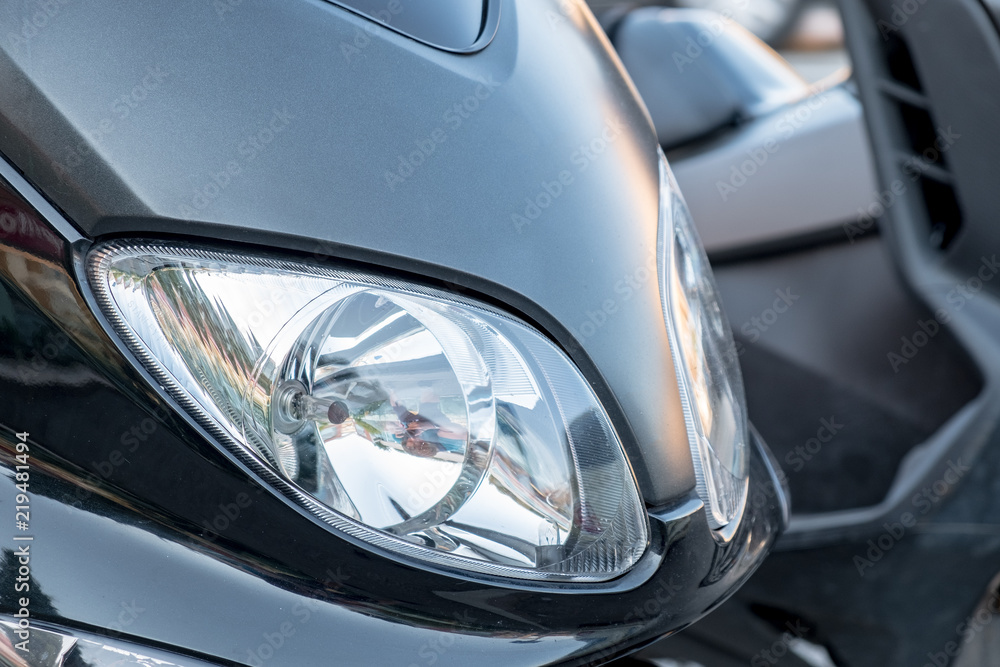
{"points": [[705, 360]]}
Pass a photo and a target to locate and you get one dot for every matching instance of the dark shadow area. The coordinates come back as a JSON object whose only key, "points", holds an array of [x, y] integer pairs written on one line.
{"points": [[845, 370]]}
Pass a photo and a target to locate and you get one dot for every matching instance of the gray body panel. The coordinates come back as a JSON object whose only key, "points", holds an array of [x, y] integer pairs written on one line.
{"points": [[133, 130]]}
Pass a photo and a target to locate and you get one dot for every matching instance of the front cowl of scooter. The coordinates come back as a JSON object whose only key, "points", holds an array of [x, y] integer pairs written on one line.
{"points": [[354, 336]]}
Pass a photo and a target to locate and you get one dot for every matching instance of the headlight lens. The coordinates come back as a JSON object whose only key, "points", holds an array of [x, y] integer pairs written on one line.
{"points": [[424, 424], [705, 359]]}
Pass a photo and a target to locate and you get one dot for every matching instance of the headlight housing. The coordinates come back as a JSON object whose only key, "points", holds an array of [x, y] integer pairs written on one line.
{"points": [[705, 359], [424, 424]]}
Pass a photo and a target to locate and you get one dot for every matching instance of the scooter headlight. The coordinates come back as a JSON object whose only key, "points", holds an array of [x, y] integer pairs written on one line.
{"points": [[705, 359], [427, 425]]}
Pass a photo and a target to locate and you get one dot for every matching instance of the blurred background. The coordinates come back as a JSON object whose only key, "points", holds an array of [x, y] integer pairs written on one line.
{"points": [[807, 33], [772, 153]]}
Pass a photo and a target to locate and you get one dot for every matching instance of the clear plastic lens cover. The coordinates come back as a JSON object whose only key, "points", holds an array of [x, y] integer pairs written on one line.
{"points": [[706, 360], [416, 421]]}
